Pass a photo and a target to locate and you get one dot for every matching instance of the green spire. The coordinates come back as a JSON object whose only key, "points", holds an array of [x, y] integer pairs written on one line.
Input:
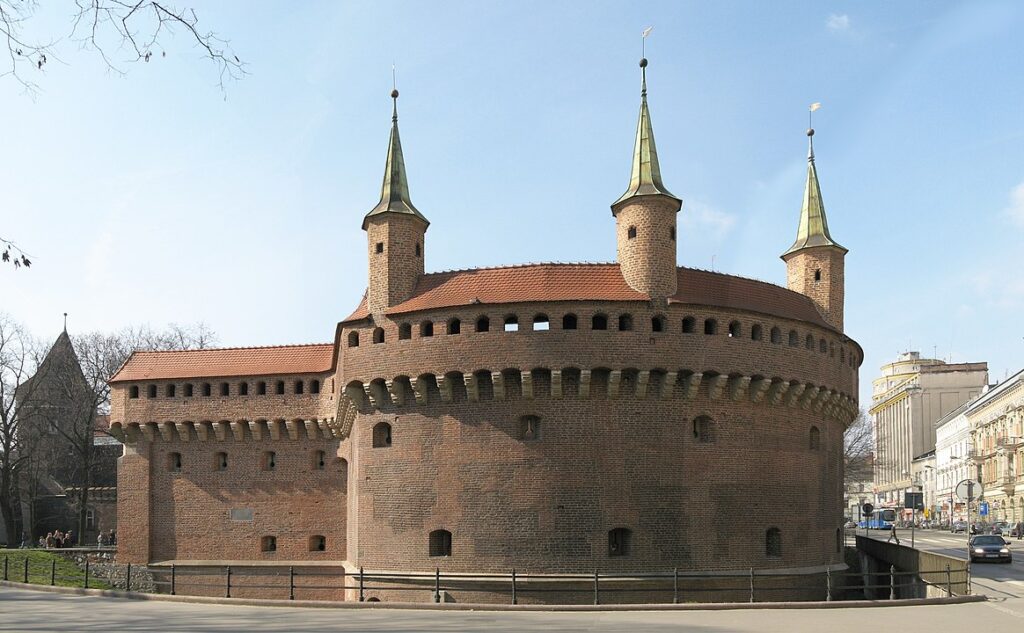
{"points": [[813, 229], [645, 178], [394, 193]]}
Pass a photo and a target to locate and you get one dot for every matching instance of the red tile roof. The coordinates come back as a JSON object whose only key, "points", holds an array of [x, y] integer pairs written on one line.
{"points": [[595, 282], [237, 361]]}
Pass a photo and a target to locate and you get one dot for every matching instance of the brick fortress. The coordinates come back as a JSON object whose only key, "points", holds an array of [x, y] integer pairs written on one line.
{"points": [[631, 416]]}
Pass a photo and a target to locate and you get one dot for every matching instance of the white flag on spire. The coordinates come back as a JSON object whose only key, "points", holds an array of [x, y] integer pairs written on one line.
{"points": [[647, 31], [815, 106]]}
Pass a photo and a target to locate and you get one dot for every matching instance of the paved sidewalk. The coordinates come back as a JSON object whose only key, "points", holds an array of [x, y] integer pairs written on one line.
{"points": [[29, 611]]}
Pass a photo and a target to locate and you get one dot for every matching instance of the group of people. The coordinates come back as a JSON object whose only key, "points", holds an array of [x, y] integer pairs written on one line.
{"points": [[57, 539], [107, 538]]}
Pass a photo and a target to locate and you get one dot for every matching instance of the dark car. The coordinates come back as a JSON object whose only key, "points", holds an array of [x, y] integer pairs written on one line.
{"points": [[989, 548]]}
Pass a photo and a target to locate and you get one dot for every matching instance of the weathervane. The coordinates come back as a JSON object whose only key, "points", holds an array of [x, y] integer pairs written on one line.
{"points": [[810, 129]]}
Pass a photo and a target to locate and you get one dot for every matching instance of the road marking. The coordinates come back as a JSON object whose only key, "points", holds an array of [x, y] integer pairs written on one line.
{"points": [[1005, 610]]}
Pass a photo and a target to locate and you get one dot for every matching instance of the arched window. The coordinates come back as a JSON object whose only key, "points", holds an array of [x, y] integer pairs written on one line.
{"points": [[541, 323], [704, 429], [569, 322], [755, 332], [133, 391], [314, 386], [261, 388], [822, 346], [599, 322], [454, 326], [243, 388], [318, 543], [809, 342], [483, 324], [842, 354], [631, 233], [279, 387], [618, 541], [171, 389], [710, 326], [657, 323], [832, 350], [529, 428], [625, 322], [440, 543], [817, 274], [353, 339], [689, 325], [268, 544], [814, 438], [299, 387], [151, 391], [511, 323], [404, 331], [794, 339], [188, 390], [776, 335], [427, 328], [174, 462], [206, 389], [734, 329], [773, 543], [319, 460], [382, 435], [269, 460], [378, 335], [225, 389], [220, 461]]}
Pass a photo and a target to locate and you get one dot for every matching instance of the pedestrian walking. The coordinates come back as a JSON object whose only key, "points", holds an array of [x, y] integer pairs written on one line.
{"points": [[1020, 530], [893, 535]]}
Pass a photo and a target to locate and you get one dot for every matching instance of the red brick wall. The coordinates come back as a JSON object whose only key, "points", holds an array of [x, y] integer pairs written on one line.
{"points": [[393, 273], [547, 505], [648, 261], [828, 293]]}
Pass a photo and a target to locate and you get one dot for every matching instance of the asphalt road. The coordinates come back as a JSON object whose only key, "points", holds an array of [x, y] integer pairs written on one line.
{"points": [[1000, 581]]}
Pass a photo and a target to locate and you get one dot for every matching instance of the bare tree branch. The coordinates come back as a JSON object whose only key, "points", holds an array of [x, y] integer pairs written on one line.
{"points": [[11, 254]]}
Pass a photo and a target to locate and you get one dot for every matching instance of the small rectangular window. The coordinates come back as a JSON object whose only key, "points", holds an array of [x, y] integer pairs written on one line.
{"points": [[171, 390], [279, 387], [151, 391], [261, 388], [188, 390], [380, 247], [225, 389]]}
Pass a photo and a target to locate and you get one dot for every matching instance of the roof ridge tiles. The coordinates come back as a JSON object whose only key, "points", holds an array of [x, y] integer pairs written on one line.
{"points": [[521, 265], [231, 349]]}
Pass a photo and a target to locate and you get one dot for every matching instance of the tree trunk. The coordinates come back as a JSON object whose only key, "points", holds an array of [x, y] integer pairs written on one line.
{"points": [[11, 511]]}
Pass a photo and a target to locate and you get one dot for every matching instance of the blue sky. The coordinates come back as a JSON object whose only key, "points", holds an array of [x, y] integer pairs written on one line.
{"points": [[151, 198]]}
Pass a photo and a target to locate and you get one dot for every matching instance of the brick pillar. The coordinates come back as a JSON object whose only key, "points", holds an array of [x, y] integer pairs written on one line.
{"points": [[133, 503]]}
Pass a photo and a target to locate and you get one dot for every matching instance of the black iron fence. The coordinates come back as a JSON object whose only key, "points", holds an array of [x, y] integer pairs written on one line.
{"points": [[334, 583]]}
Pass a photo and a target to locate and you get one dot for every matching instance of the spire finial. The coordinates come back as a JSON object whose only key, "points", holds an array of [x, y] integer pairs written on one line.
{"points": [[643, 61], [65, 321], [394, 94], [810, 130]]}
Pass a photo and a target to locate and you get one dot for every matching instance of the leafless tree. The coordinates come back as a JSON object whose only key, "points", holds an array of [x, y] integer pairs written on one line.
{"points": [[16, 369], [858, 449], [100, 355], [121, 32], [11, 254]]}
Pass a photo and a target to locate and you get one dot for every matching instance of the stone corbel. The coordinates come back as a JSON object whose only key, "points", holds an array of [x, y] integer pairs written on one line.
{"points": [[738, 386], [716, 386], [220, 430], [556, 384], [668, 388], [692, 385], [642, 379], [238, 431], [794, 393], [420, 387], [759, 388], [498, 379], [472, 387], [809, 396], [293, 429], [778, 390], [256, 429], [183, 431], [445, 387], [274, 428], [614, 383], [311, 429], [370, 396], [167, 431], [395, 392], [584, 383], [527, 380], [202, 431]]}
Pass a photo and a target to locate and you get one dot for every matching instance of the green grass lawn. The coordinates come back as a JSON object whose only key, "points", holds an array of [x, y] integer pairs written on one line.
{"points": [[68, 574]]}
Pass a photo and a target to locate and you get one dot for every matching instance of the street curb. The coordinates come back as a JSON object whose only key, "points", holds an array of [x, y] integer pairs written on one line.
{"points": [[316, 604]]}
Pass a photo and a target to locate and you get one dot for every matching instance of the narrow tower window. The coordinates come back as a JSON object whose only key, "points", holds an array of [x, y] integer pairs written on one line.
{"points": [[440, 543], [569, 322], [419, 249], [710, 326], [625, 322], [689, 325], [314, 386], [599, 322], [170, 392], [704, 429], [133, 391], [353, 339], [404, 331], [483, 324], [243, 388], [378, 335], [632, 232], [455, 326], [511, 323], [817, 275], [382, 435], [755, 332], [269, 460], [618, 542], [541, 323], [317, 543], [773, 543], [658, 323], [672, 233], [188, 390], [261, 388], [268, 544], [299, 387], [174, 462], [151, 391], [814, 438], [427, 328], [734, 329], [380, 247]]}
